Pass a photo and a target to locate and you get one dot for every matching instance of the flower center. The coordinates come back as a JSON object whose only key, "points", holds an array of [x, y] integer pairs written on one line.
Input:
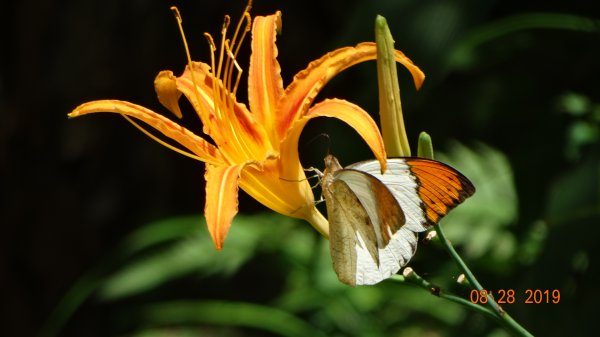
{"points": [[231, 122]]}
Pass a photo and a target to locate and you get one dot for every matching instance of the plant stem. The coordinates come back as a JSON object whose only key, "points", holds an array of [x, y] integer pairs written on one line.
{"points": [[502, 316], [417, 280]]}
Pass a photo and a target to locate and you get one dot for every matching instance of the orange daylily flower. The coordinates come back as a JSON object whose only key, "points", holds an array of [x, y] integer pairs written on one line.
{"points": [[255, 147]]}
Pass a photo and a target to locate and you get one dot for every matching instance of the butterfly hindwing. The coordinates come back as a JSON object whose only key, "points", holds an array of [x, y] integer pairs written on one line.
{"points": [[383, 210], [367, 240], [348, 220]]}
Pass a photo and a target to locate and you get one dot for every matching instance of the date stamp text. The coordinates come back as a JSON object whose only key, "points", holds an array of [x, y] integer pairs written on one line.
{"points": [[510, 296]]}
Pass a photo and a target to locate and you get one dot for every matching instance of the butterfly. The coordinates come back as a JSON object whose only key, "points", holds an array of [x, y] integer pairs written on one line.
{"points": [[374, 217]]}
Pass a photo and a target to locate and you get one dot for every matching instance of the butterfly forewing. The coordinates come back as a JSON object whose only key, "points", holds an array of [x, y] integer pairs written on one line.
{"points": [[425, 189], [440, 187]]}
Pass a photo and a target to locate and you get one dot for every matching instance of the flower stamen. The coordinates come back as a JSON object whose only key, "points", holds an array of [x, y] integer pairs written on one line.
{"points": [[233, 53], [239, 71], [218, 97], [224, 93], [226, 23], [189, 61], [160, 141], [213, 49]]}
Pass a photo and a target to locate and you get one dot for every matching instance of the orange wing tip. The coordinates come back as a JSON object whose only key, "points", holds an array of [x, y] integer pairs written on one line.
{"points": [[440, 187]]}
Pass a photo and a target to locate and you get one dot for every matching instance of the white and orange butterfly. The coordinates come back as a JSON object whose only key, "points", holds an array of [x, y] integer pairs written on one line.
{"points": [[374, 218]]}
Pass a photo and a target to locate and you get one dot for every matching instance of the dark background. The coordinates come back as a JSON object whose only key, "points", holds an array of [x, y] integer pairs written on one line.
{"points": [[72, 188]]}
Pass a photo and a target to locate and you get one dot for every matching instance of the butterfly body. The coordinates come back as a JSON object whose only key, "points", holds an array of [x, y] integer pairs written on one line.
{"points": [[374, 217]]}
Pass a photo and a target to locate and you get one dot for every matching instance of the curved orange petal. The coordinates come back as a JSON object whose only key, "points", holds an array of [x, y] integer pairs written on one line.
{"points": [[200, 96], [221, 200], [289, 196], [343, 110], [265, 85], [300, 94], [165, 85], [200, 147]]}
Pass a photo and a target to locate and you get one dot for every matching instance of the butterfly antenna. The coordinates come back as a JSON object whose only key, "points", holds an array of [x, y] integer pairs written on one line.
{"points": [[326, 136]]}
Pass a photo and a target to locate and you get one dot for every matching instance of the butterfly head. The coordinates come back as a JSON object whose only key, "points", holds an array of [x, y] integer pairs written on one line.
{"points": [[331, 164]]}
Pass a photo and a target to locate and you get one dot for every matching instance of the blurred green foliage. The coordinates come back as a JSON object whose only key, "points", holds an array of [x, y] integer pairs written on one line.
{"points": [[304, 298], [480, 224]]}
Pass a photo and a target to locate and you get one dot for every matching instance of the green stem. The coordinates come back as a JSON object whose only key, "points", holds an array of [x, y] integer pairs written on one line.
{"points": [[492, 308], [501, 316], [463, 266], [417, 280], [475, 307]]}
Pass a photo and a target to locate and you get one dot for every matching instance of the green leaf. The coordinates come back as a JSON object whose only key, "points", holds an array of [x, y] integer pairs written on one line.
{"points": [[574, 104], [192, 253], [226, 313], [162, 251], [465, 52], [480, 223], [575, 195]]}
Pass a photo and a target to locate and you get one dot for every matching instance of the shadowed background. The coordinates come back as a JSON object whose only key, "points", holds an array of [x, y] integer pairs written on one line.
{"points": [[504, 74]]}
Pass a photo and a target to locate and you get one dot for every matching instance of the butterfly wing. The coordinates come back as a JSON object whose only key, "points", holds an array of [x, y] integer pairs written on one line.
{"points": [[351, 233], [374, 217], [362, 212], [425, 189]]}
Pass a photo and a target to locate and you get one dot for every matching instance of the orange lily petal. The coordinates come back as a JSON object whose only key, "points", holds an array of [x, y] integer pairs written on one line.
{"points": [[221, 200], [300, 94], [200, 96], [265, 85], [291, 196], [200, 147], [345, 111], [165, 85]]}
